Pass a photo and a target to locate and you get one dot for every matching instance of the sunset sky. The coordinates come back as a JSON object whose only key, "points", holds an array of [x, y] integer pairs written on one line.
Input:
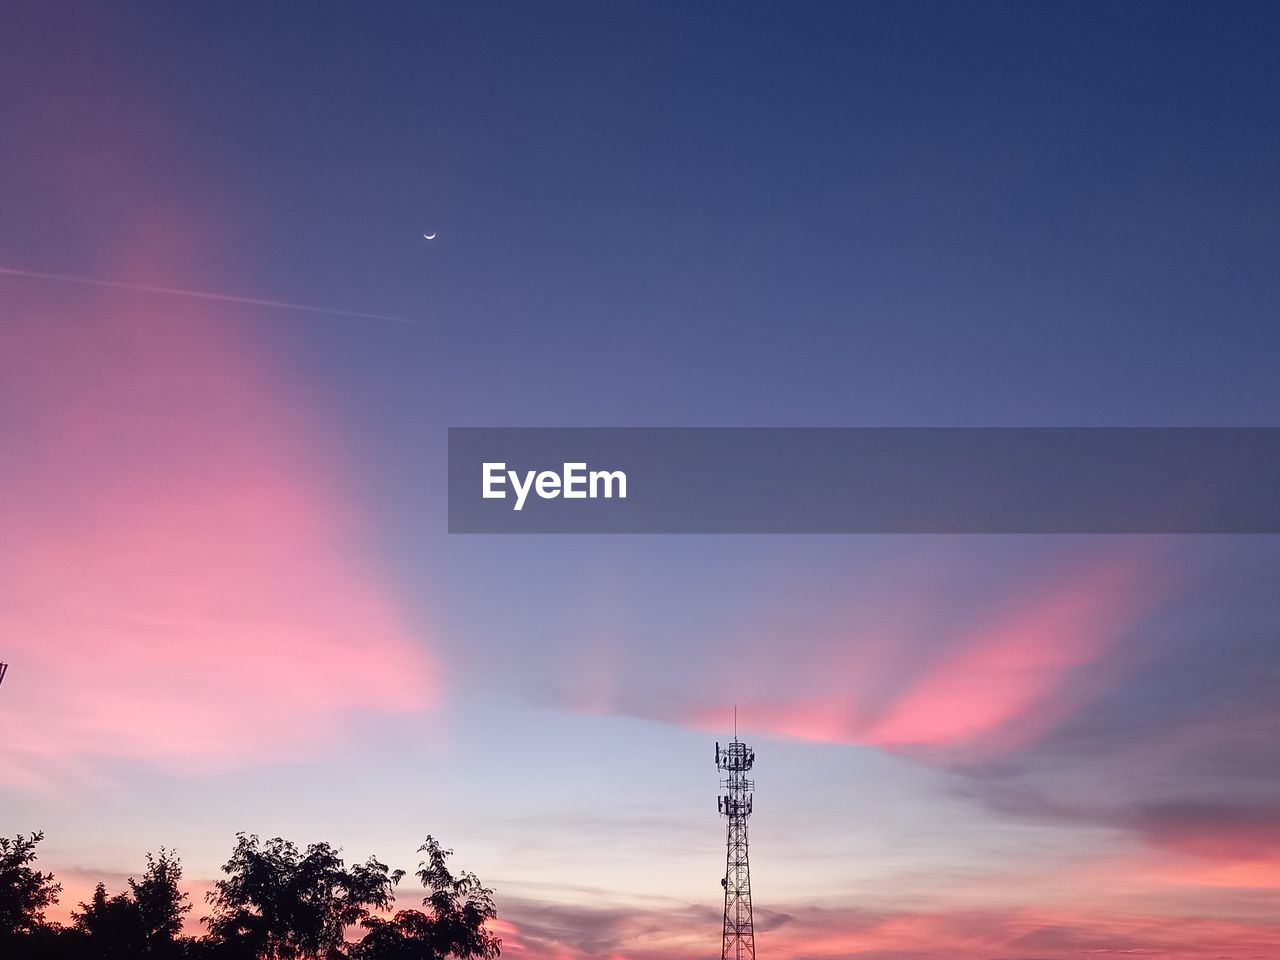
{"points": [[227, 594]]}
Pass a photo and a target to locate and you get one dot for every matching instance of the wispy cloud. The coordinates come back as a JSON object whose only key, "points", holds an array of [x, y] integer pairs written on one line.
{"points": [[205, 295], [953, 686]]}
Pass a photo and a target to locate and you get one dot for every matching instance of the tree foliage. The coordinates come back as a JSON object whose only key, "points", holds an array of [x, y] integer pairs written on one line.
{"points": [[161, 904], [143, 921], [111, 926], [453, 926], [276, 902], [25, 893]]}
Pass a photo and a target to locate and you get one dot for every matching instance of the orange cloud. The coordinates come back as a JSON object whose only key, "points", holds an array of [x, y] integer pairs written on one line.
{"points": [[78, 886], [560, 932], [1047, 933]]}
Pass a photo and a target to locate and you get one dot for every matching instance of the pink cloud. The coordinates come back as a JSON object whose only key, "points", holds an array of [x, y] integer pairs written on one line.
{"points": [[542, 930], [1047, 933], [994, 681], [998, 683], [186, 576], [555, 932]]}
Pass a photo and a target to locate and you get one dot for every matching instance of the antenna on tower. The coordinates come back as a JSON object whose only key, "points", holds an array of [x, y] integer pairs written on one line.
{"points": [[736, 760]]}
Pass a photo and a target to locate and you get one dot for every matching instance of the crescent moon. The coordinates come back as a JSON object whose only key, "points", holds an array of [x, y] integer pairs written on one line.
{"points": [[431, 237]]}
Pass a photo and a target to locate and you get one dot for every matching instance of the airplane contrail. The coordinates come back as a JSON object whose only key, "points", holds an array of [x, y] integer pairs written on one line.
{"points": [[203, 295]]}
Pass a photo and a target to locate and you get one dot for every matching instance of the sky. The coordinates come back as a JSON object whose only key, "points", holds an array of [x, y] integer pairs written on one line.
{"points": [[226, 589]]}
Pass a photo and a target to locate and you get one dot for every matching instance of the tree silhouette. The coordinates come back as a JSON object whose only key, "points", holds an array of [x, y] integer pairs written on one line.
{"points": [[280, 904], [161, 905], [454, 927], [24, 892], [144, 921], [112, 927], [276, 903]]}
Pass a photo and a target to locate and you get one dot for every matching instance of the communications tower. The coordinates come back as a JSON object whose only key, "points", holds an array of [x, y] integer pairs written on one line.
{"points": [[735, 761]]}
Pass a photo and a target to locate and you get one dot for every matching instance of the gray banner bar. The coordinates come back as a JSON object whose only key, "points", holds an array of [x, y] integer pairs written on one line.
{"points": [[864, 480]]}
